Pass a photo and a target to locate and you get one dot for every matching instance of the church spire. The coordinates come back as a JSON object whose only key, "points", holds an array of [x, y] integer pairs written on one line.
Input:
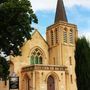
{"points": [[60, 12]]}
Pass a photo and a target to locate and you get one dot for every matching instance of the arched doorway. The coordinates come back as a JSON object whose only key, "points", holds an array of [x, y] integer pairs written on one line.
{"points": [[50, 83], [26, 83]]}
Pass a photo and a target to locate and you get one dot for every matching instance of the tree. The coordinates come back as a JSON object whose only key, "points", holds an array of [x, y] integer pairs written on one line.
{"points": [[4, 68], [16, 18], [82, 57]]}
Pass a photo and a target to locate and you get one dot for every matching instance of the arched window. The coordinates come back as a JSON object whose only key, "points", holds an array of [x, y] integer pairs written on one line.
{"points": [[65, 35], [56, 35], [32, 59], [70, 60], [71, 78], [40, 60], [52, 41], [36, 57], [71, 36]]}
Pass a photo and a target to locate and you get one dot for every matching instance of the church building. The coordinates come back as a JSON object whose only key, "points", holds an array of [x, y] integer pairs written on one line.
{"points": [[49, 64]]}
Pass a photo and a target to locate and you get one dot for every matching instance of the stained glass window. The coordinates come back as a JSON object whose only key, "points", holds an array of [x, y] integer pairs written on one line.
{"points": [[36, 57]]}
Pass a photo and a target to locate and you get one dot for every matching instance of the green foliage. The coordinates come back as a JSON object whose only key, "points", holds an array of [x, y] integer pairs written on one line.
{"points": [[16, 17], [4, 68], [82, 57]]}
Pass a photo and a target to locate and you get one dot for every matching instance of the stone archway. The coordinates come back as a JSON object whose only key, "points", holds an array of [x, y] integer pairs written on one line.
{"points": [[50, 83], [26, 83]]}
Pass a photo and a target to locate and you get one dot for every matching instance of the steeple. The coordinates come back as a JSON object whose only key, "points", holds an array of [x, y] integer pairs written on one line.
{"points": [[60, 12]]}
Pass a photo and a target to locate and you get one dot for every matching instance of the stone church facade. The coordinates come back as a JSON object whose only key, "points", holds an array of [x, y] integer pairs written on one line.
{"points": [[48, 64]]}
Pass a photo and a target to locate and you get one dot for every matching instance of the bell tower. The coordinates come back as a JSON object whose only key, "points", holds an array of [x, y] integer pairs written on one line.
{"points": [[61, 38]]}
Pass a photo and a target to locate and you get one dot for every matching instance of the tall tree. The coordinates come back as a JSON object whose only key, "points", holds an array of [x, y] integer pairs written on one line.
{"points": [[82, 57], [16, 18]]}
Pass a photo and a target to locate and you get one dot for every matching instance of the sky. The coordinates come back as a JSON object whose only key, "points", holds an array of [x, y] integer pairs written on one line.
{"points": [[78, 13]]}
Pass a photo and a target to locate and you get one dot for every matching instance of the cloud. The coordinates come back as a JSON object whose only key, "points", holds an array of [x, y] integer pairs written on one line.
{"points": [[43, 4], [82, 3], [80, 16], [86, 34], [51, 4]]}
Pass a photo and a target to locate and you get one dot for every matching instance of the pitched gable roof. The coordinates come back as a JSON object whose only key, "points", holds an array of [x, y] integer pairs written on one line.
{"points": [[36, 31]]}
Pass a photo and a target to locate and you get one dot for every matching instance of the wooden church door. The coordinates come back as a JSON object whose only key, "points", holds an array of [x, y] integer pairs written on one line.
{"points": [[50, 83]]}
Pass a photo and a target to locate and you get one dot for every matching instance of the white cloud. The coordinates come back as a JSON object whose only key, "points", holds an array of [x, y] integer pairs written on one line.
{"points": [[82, 3], [86, 34], [51, 4], [43, 4]]}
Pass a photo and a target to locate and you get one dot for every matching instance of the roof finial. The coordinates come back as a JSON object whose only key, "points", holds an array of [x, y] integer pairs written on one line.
{"points": [[60, 12]]}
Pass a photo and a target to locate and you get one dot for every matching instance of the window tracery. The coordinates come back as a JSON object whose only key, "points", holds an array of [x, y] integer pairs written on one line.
{"points": [[36, 57]]}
